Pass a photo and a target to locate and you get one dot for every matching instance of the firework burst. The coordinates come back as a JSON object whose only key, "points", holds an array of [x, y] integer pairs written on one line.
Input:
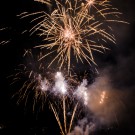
{"points": [[33, 81], [75, 29]]}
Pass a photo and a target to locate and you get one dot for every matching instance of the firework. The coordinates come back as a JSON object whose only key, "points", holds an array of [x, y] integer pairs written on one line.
{"points": [[102, 97], [63, 119], [32, 80], [47, 2], [75, 29], [32, 84]]}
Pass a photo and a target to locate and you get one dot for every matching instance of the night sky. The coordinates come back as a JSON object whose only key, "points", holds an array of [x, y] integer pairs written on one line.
{"points": [[118, 64]]}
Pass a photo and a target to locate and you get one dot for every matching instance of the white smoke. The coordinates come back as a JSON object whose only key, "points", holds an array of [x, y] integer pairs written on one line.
{"points": [[103, 101], [84, 127], [60, 86], [43, 83], [81, 92]]}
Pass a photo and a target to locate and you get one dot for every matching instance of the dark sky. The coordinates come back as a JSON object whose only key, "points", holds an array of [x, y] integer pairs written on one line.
{"points": [[119, 64]]}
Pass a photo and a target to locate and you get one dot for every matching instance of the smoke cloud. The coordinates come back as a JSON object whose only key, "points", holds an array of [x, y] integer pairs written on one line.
{"points": [[106, 104]]}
